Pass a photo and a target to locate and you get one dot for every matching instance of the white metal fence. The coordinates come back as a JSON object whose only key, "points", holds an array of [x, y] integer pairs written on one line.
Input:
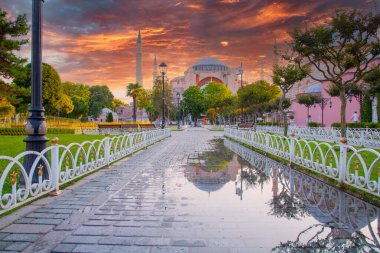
{"points": [[359, 168], [366, 137], [319, 199], [59, 164]]}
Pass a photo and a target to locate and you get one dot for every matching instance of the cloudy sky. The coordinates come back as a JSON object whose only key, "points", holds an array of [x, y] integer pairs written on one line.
{"points": [[94, 41]]}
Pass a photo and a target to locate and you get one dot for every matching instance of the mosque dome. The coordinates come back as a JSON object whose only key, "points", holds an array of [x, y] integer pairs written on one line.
{"points": [[209, 64]]}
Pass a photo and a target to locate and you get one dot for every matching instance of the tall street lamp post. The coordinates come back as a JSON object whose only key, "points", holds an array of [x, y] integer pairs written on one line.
{"points": [[178, 114], [323, 104], [241, 86], [36, 125], [163, 68]]}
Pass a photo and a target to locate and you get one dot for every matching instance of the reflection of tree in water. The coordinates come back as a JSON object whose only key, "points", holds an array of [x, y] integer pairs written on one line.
{"points": [[216, 159], [325, 238], [285, 205], [251, 176]]}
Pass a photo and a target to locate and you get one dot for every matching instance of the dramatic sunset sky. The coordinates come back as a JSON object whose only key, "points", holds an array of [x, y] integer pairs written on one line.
{"points": [[94, 41]]}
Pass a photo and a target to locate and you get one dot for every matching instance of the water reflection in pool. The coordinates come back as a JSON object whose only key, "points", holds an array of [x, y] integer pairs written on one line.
{"points": [[275, 207]]}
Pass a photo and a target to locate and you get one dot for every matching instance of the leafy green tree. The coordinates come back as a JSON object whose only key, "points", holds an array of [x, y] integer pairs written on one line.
{"points": [[117, 103], [342, 50], [156, 97], [100, 97], [80, 96], [10, 64], [52, 90], [152, 112], [134, 90], [257, 95], [285, 77], [308, 100], [215, 94], [109, 117], [19, 97], [193, 101], [95, 110], [7, 110]]}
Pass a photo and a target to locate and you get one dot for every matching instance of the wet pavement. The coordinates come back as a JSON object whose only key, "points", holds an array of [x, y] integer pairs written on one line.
{"points": [[193, 193]]}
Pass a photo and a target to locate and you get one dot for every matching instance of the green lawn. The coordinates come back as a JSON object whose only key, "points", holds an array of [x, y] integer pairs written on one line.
{"points": [[13, 145]]}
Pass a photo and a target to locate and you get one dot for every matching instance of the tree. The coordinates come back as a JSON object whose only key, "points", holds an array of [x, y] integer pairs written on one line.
{"points": [[285, 77], [343, 51], [80, 97], [215, 94], [156, 97], [52, 89], [212, 114], [100, 97], [257, 95], [308, 100], [19, 97], [7, 110], [117, 103], [193, 101], [134, 90], [10, 64], [109, 117], [64, 104]]}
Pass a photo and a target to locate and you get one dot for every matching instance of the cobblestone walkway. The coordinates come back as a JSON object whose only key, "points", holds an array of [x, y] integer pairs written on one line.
{"points": [[138, 205]]}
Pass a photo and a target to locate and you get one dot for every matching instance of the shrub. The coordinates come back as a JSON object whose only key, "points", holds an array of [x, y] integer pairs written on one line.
{"points": [[313, 124], [357, 125], [21, 131], [267, 123]]}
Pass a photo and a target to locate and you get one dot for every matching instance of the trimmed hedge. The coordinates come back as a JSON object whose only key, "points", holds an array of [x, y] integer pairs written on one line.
{"points": [[357, 125], [268, 123], [314, 124], [21, 131]]}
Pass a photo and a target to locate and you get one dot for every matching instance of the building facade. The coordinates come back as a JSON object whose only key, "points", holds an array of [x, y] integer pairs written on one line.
{"points": [[205, 71]]}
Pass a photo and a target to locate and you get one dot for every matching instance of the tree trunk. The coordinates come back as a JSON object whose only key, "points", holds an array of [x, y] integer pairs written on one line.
{"points": [[285, 117], [134, 108], [343, 100]]}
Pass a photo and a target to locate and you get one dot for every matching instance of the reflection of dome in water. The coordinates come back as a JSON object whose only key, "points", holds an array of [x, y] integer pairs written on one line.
{"points": [[207, 180]]}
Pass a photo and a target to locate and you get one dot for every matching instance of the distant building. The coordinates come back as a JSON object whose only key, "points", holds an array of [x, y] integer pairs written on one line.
{"points": [[125, 113], [103, 116], [205, 71]]}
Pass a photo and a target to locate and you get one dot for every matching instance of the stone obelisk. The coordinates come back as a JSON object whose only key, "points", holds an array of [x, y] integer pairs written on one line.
{"points": [[139, 61]]}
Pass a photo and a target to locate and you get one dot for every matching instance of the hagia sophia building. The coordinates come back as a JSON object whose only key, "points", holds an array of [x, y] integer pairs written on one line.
{"points": [[205, 71], [200, 73]]}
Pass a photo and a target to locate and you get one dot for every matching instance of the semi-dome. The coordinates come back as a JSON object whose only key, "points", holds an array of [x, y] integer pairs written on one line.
{"points": [[209, 64]]}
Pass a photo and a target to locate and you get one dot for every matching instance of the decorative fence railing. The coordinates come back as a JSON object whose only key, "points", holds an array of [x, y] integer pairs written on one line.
{"points": [[295, 193], [366, 137], [359, 168], [59, 164]]}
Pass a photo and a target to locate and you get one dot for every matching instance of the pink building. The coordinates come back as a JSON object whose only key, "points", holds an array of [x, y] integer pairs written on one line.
{"points": [[330, 114]]}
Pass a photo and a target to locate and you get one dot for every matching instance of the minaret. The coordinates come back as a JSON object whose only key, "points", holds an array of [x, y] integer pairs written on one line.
{"points": [[154, 70], [138, 61]]}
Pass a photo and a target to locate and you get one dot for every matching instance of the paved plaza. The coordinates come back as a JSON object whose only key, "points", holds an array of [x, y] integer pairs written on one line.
{"points": [[137, 205]]}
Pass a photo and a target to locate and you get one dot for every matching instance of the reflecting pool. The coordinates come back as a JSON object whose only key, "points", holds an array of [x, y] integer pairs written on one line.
{"points": [[242, 199]]}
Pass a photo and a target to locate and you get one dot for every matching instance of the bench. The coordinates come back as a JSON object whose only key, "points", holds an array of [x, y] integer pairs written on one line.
{"points": [[245, 125]]}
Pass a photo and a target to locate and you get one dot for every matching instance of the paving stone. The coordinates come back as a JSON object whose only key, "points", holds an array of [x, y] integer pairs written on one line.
{"points": [[211, 250], [152, 241], [41, 215], [130, 249], [92, 248], [164, 249], [28, 228], [117, 240], [82, 239], [18, 246], [22, 237], [4, 244], [89, 230], [64, 248], [189, 243], [46, 221]]}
